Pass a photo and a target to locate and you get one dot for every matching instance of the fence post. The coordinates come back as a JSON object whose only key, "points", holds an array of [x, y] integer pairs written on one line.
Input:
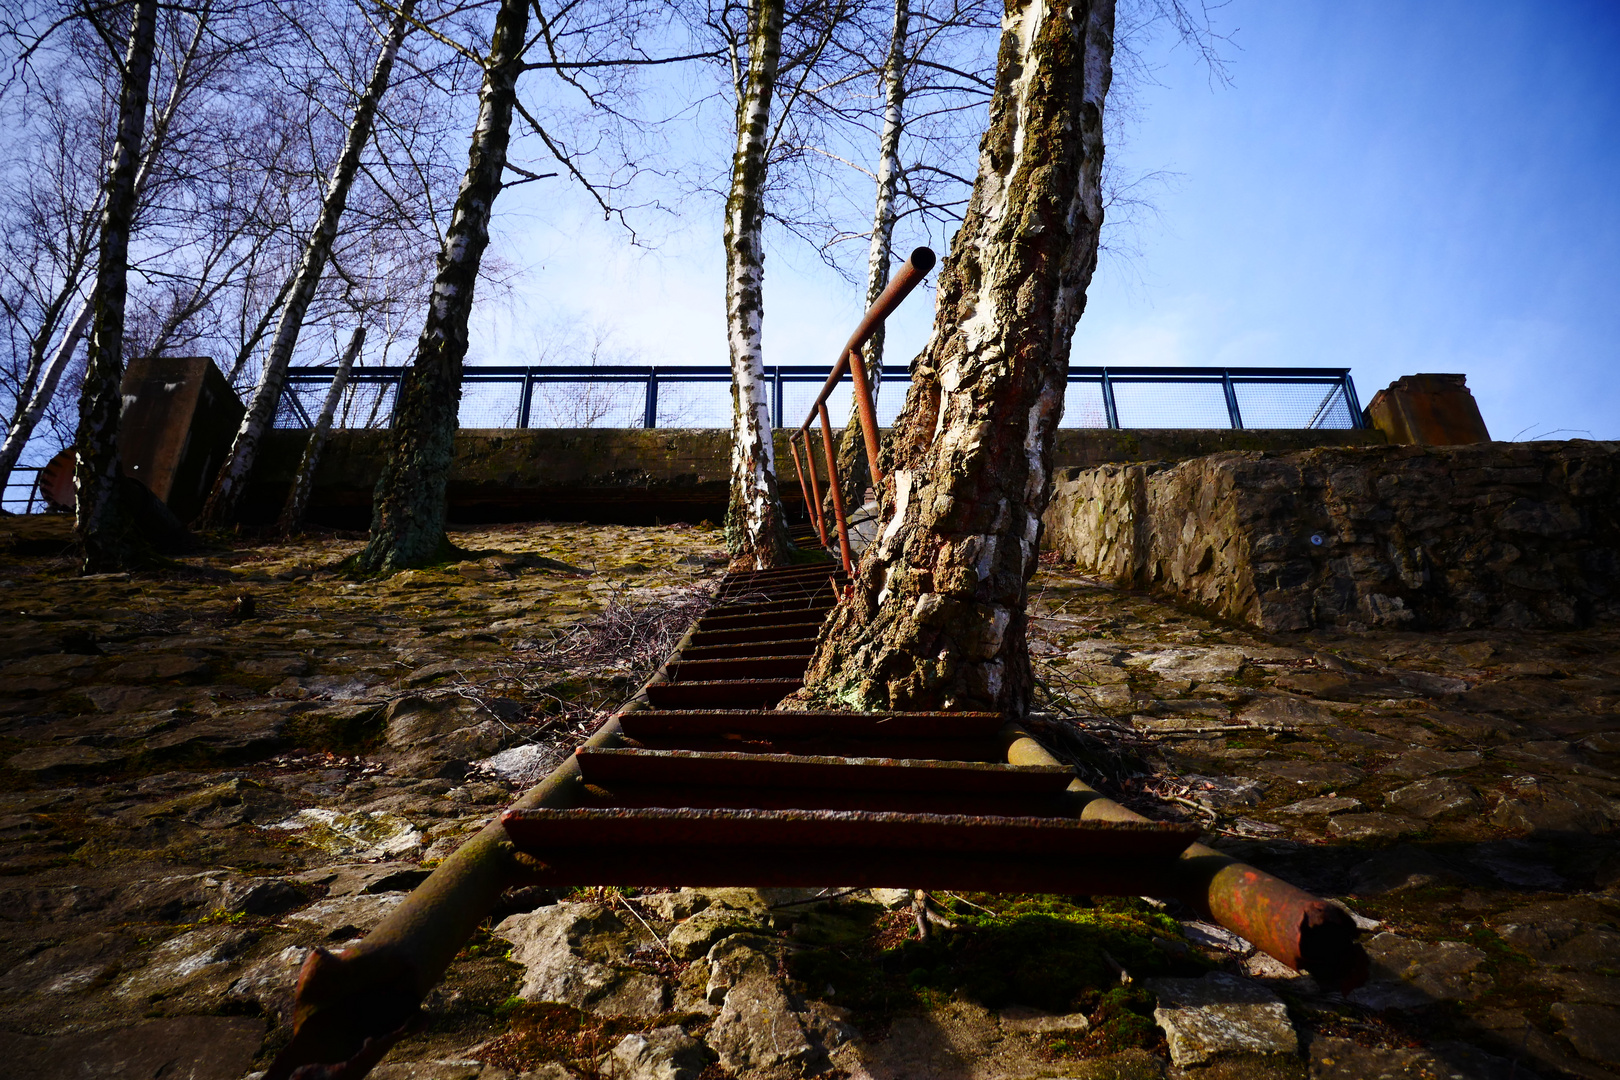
{"points": [[776, 398], [649, 417], [1231, 400], [1351, 400], [528, 396], [1108, 400]]}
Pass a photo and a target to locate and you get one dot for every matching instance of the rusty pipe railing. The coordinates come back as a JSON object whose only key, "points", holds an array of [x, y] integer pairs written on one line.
{"points": [[900, 286]]}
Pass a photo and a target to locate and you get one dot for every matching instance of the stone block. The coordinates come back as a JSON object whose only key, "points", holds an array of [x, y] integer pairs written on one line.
{"points": [[1434, 410], [1221, 1015]]}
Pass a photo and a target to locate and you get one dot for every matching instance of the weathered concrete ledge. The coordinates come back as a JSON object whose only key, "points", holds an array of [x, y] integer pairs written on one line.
{"points": [[637, 476], [1510, 535]]}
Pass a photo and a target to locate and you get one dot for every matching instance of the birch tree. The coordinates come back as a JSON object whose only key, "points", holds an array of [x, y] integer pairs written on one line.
{"points": [[755, 531], [292, 512], [101, 525], [854, 471], [408, 511], [63, 227], [261, 410], [936, 617]]}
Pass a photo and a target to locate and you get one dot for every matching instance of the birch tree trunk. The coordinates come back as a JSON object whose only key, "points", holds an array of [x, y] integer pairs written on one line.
{"points": [[755, 531], [226, 495], [853, 468], [22, 428], [101, 525], [936, 619], [292, 514], [27, 419], [408, 511]]}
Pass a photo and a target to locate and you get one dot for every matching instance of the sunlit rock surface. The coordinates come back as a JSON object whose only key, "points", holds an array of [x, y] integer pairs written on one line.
{"points": [[192, 800]]}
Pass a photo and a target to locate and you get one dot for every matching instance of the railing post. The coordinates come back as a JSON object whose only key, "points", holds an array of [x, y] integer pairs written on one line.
{"points": [[528, 396], [1109, 411], [649, 416], [393, 407], [1351, 400], [1231, 401], [868, 415], [835, 489], [815, 487], [776, 399]]}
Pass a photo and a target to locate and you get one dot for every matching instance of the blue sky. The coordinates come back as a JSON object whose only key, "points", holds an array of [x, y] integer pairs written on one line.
{"points": [[1389, 187]]}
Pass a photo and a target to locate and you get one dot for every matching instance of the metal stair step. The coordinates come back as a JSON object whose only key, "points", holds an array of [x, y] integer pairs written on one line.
{"points": [[728, 694], [799, 646], [742, 667], [543, 831], [705, 638], [609, 766]]}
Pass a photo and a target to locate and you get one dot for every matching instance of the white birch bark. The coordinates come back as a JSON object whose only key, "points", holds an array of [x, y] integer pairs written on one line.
{"points": [[292, 514], [261, 411], [936, 618], [854, 471], [28, 418], [22, 429], [101, 526], [754, 529], [888, 179]]}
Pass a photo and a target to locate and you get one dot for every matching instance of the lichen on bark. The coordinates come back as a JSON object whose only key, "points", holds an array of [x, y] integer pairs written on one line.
{"points": [[936, 615]]}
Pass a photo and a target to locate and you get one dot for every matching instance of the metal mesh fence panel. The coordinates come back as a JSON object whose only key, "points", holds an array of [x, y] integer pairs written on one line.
{"points": [[1293, 405], [367, 405], [798, 398], [1083, 406], [693, 405], [1171, 405], [586, 403], [490, 404], [300, 404], [891, 398]]}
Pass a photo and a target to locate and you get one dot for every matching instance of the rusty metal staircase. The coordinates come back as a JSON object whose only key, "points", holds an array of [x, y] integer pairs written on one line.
{"points": [[708, 785]]}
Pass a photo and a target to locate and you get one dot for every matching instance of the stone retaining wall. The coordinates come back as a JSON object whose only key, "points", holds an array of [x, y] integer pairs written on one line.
{"points": [[1515, 535], [638, 476]]}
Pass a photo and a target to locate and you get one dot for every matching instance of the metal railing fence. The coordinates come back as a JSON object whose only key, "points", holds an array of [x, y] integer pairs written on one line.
{"points": [[650, 396], [21, 494]]}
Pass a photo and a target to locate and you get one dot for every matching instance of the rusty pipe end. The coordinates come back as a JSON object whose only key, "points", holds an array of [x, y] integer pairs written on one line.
{"points": [[1328, 949], [923, 259], [350, 1008], [1306, 933]]}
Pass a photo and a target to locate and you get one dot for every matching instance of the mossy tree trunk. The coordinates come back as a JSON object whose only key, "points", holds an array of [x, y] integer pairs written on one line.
{"points": [[936, 619], [755, 531], [231, 482], [408, 511], [102, 524], [854, 471]]}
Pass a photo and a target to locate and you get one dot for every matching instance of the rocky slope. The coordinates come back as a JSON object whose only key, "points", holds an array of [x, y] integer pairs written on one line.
{"points": [[210, 769]]}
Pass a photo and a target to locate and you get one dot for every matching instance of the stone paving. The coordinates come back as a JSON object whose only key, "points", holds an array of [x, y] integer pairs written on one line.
{"points": [[210, 769]]}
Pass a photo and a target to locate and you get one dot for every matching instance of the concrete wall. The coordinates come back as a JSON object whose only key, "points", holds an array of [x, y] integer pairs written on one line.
{"points": [[1512, 535], [637, 475]]}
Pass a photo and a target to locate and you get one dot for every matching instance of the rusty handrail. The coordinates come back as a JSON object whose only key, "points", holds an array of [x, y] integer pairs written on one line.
{"points": [[900, 286]]}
